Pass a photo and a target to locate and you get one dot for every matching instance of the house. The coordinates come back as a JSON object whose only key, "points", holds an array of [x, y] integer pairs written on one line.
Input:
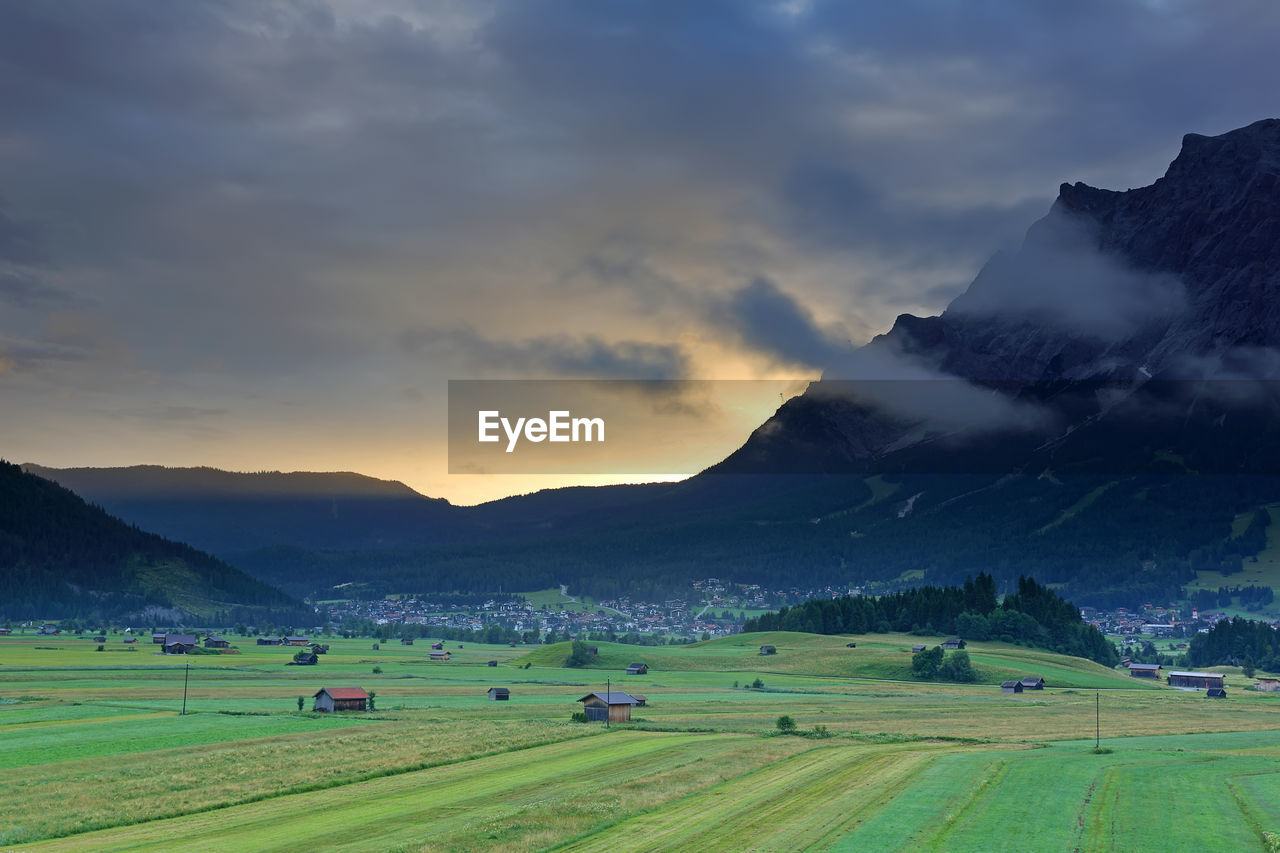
{"points": [[341, 699], [640, 700], [637, 669], [614, 707], [439, 654], [1197, 679], [493, 663], [1215, 693], [179, 644], [1144, 670], [1011, 687], [437, 646], [768, 650], [131, 639], [406, 641], [1268, 685], [304, 659], [100, 639], [952, 644], [499, 694], [157, 637], [269, 641], [1033, 682], [297, 641], [917, 649], [1124, 662], [216, 643]]}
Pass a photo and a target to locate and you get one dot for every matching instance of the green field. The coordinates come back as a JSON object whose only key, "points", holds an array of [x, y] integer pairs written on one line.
{"points": [[880, 762]]}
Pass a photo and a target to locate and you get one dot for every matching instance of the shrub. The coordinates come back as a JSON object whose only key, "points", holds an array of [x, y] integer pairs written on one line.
{"points": [[786, 725], [377, 670], [757, 684], [578, 717]]}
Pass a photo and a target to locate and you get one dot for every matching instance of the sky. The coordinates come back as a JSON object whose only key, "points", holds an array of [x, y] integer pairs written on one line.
{"points": [[265, 235]]}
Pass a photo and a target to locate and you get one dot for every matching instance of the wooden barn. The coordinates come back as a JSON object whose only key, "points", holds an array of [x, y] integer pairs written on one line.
{"points": [[1144, 670], [157, 637], [216, 643], [593, 650], [492, 663], [952, 644], [1033, 682], [179, 644], [1268, 685], [640, 700], [768, 650], [437, 646], [499, 694], [297, 641], [341, 699], [850, 645], [614, 707], [917, 649], [99, 639], [1197, 679], [406, 641], [269, 641], [637, 669], [131, 639], [1011, 687], [439, 654], [1215, 693], [304, 659]]}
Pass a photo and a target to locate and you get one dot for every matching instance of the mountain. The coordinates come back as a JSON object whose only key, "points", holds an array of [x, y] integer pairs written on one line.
{"points": [[1094, 410], [62, 557]]}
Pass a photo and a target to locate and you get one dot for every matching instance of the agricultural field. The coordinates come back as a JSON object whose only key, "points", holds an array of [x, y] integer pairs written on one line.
{"points": [[877, 761]]}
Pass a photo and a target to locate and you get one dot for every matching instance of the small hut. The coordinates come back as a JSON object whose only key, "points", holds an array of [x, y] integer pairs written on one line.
{"points": [[768, 650], [1033, 682], [614, 707], [499, 694], [1011, 687], [341, 699], [1216, 693], [637, 669]]}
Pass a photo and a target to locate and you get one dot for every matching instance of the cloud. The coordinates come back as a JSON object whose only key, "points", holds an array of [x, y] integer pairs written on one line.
{"points": [[24, 291], [769, 320], [1059, 278], [559, 356]]}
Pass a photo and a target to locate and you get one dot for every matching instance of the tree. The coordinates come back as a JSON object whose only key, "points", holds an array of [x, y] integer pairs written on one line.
{"points": [[786, 725], [302, 700], [925, 664], [372, 695], [957, 667], [578, 654], [1248, 668]]}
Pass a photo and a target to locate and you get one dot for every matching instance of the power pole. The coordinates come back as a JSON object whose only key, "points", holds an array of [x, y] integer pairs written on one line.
{"points": [[1097, 719], [185, 678], [608, 700]]}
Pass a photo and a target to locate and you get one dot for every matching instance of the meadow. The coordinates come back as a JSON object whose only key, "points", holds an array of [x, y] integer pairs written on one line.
{"points": [[96, 756]]}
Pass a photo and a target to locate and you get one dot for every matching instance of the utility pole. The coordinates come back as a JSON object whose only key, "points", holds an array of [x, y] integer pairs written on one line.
{"points": [[185, 678], [1097, 719], [608, 700]]}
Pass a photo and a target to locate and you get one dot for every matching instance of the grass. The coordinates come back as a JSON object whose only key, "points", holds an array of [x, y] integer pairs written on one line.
{"points": [[907, 766]]}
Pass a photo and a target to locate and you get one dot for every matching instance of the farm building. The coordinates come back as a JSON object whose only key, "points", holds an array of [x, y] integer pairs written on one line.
{"points": [[768, 650], [593, 650], [179, 644], [1033, 682], [99, 639], [1197, 679], [614, 707], [439, 654], [437, 646], [406, 641], [499, 694], [131, 639], [341, 699], [493, 663], [376, 647], [850, 645], [158, 638], [269, 641], [6, 630], [297, 641], [304, 659], [216, 643], [1215, 693], [1011, 687], [638, 669], [1268, 685], [953, 644], [640, 700], [917, 649], [1144, 670]]}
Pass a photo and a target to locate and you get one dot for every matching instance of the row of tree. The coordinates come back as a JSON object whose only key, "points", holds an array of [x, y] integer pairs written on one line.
{"points": [[1034, 615], [1237, 642]]}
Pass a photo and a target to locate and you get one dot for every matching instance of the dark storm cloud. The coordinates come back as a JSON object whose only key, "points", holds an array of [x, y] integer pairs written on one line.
{"points": [[24, 291], [586, 357], [772, 321]]}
